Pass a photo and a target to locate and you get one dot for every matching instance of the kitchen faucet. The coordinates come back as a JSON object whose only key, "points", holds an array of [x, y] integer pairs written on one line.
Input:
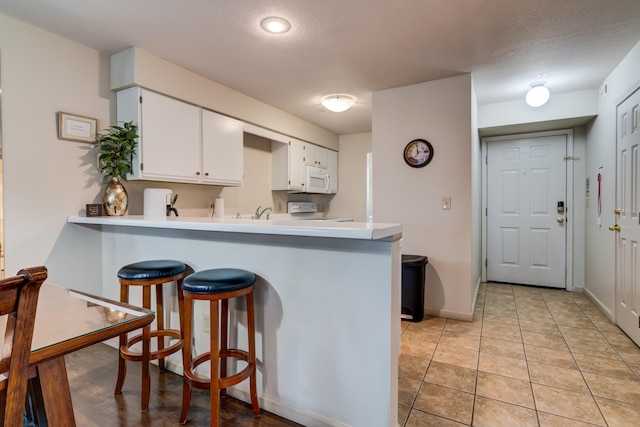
{"points": [[171, 208], [259, 213]]}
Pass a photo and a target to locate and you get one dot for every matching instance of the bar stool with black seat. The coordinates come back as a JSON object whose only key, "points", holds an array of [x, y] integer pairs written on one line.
{"points": [[148, 274], [218, 286]]}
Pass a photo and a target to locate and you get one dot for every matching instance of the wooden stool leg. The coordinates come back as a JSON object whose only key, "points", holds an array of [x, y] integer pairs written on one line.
{"points": [[160, 322], [180, 306], [187, 320], [251, 332], [224, 340], [122, 365], [214, 388], [146, 338]]}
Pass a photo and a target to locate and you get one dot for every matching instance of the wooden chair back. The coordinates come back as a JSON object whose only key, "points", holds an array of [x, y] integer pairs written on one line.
{"points": [[18, 301]]}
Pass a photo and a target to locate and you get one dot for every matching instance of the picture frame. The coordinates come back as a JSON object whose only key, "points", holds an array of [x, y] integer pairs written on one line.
{"points": [[72, 127]]}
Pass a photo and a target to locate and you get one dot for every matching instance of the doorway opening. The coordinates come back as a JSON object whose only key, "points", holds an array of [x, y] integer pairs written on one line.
{"points": [[528, 209]]}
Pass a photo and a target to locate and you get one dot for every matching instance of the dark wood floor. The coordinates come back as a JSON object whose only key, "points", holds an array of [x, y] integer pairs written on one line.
{"points": [[92, 376]]}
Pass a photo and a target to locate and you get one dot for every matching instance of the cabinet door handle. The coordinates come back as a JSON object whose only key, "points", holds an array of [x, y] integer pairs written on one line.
{"points": [[197, 173], [206, 174]]}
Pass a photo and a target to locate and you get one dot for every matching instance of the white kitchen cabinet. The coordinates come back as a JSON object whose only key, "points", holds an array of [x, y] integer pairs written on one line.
{"points": [[222, 145], [287, 165], [316, 156], [332, 169], [169, 143], [180, 142]]}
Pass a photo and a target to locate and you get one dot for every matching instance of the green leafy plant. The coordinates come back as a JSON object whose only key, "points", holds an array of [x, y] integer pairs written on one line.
{"points": [[116, 150]]}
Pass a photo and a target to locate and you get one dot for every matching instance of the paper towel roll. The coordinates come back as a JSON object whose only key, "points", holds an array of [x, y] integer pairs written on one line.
{"points": [[218, 211], [155, 202]]}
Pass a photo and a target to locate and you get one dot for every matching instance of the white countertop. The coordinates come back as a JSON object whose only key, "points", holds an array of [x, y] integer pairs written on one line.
{"points": [[330, 229]]}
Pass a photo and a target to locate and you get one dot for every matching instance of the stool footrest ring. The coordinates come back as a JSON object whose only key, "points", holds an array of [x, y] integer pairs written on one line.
{"points": [[136, 356], [224, 382]]}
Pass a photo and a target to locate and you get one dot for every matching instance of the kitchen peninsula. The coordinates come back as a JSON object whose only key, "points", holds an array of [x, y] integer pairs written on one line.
{"points": [[327, 305]]}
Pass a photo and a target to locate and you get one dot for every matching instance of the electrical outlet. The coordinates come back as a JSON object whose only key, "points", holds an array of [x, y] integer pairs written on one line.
{"points": [[206, 322]]}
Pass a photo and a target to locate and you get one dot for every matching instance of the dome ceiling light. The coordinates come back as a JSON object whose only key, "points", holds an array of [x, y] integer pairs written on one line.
{"points": [[275, 25], [538, 95], [338, 102]]}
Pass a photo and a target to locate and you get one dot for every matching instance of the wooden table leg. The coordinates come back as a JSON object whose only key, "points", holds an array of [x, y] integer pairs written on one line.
{"points": [[51, 395]]}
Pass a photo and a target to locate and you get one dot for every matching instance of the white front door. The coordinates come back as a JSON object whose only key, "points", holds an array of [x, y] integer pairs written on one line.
{"points": [[526, 229], [628, 203]]}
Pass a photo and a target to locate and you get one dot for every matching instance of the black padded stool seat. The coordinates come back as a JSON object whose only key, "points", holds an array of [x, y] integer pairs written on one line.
{"points": [[148, 274], [149, 270], [218, 280], [217, 286]]}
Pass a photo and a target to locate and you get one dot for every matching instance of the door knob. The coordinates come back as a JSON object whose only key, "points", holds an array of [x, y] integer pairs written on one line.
{"points": [[560, 219], [614, 227], [617, 211]]}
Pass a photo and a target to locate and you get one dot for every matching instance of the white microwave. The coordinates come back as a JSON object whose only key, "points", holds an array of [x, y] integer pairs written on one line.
{"points": [[317, 180]]}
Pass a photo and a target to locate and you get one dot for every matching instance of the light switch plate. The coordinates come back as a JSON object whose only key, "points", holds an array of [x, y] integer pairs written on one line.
{"points": [[446, 203]]}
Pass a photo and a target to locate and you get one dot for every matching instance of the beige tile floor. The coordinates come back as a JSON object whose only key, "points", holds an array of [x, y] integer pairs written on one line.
{"points": [[531, 357]]}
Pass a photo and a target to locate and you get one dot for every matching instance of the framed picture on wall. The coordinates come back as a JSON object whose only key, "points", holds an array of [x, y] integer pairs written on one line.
{"points": [[76, 128]]}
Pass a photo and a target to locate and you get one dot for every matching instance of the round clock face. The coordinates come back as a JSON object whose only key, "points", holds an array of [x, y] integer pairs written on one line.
{"points": [[418, 153]]}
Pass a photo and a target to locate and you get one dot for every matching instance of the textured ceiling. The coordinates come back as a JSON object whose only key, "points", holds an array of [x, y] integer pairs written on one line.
{"points": [[358, 46]]}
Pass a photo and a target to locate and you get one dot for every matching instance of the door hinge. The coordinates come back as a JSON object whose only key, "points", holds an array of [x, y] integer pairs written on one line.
{"points": [[486, 211], [141, 166], [140, 99], [565, 158], [486, 262], [486, 160]]}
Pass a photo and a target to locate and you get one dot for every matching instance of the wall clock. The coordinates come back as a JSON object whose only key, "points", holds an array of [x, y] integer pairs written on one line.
{"points": [[418, 153]]}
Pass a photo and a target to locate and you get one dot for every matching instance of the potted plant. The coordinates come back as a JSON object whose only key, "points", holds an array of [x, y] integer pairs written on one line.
{"points": [[116, 149]]}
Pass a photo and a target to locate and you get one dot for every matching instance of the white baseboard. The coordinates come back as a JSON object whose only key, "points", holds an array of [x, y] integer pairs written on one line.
{"points": [[449, 314], [603, 309], [290, 412], [268, 403], [455, 314]]}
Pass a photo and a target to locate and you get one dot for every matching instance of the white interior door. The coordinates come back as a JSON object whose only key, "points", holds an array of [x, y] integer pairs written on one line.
{"points": [[526, 232], [627, 201]]}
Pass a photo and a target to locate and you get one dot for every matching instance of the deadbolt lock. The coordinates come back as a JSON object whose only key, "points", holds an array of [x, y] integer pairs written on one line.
{"points": [[617, 211]]}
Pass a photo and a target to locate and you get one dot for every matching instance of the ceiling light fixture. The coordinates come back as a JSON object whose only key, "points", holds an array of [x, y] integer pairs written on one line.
{"points": [[338, 102], [538, 95], [275, 25]]}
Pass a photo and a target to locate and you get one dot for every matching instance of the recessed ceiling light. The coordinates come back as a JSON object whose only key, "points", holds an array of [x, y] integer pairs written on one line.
{"points": [[338, 102], [275, 25]]}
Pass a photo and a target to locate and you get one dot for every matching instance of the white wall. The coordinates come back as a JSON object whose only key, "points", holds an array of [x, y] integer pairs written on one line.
{"points": [[350, 201], [439, 111], [560, 106], [476, 200], [46, 179], [601, 153]]}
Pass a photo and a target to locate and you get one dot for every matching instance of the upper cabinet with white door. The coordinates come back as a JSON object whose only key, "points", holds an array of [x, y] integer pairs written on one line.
{"points": [[316, 156], [180, 142], [222, 145], [287, 165]]}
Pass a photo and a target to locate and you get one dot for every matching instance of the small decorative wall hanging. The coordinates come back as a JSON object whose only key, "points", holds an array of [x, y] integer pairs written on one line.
{"points": [[76, 128], [418, 153]]}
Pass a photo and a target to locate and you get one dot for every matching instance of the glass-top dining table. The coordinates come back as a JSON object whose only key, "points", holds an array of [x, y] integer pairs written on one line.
{"points": [[67, 321]]}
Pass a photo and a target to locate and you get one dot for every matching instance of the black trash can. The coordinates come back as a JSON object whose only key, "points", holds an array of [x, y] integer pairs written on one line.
{"points": [[413, 282]]}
